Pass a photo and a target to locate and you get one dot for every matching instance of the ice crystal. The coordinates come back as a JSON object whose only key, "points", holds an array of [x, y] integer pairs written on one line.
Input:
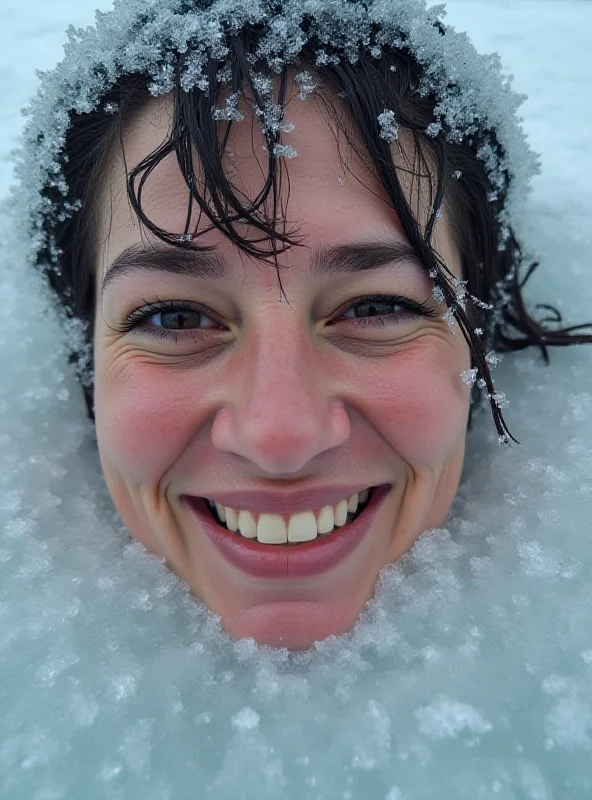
{"points": [[479, 331], [481, 383], [469, 376], [450, 320], [323, 58], [457, 174], [438, 294], [493, 359], [460, 289], [263, 84], [284, 151], [306, 83], [389, 130], [230, 110], [271, 116], [499, 398]]}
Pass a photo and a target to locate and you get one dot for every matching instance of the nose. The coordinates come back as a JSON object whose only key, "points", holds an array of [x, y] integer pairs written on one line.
{"points": [[281, 413]]}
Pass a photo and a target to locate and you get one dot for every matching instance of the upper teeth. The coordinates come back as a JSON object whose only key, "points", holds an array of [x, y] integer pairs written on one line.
{"points": [[301, 527]]}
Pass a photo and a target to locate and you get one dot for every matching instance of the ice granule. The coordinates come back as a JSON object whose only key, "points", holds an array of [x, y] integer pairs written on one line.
{"points": [[284, 151], [493, 359], [230, 111], [450, 320], [438, 294], [246, 719], [389, 130], [500, 399], [306, 83], [448, 718], [469, 376]]}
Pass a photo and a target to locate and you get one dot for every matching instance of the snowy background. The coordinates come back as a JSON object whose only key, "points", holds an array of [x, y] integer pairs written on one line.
{"points": [[469, 676]]}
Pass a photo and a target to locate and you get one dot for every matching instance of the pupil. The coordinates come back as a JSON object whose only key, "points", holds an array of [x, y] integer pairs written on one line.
{"points": [[372, 309], [180, 320]]}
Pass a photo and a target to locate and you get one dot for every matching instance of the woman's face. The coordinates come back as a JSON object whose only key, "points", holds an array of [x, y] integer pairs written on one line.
{"points": [[277, 409]]}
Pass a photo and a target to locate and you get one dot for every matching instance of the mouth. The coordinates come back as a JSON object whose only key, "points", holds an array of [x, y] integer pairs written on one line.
{"points": [[278, 557]]}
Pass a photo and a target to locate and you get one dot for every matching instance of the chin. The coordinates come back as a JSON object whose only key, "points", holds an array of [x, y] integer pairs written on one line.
{"points": [[293, 624]]}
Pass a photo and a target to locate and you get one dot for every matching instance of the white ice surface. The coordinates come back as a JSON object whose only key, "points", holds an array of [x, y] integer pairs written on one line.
{"points": [[470, 675]]}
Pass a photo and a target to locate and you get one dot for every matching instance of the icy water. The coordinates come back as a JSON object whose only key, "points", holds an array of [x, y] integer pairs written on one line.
{"points": [[470, 674]]}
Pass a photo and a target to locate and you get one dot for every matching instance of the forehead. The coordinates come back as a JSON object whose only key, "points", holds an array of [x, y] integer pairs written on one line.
{"points": [[329, 193]]}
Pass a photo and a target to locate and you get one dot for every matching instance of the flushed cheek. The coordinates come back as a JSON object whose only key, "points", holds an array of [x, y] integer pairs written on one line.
{"points": [[418, 403], [145, 421]]}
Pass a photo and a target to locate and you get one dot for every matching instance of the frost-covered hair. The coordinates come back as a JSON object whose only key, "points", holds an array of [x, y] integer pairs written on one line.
{"points": [[393, 65]]}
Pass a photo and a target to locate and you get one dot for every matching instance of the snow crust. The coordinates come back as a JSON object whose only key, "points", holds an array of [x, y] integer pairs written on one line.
{"points": [[469, 675]]}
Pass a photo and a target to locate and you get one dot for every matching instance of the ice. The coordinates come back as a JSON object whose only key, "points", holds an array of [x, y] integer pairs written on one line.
{"points": [[470, 673], [230, 111], [306, 83], [389, 130], [284, 151], [469, 376]]}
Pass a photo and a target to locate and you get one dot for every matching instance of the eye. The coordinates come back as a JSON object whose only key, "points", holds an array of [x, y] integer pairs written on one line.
{"points": [[380, 310], [177, 320], [170, 319]]}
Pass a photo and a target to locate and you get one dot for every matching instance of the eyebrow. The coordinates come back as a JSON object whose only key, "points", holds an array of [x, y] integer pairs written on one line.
{"points": [[206, 264]]}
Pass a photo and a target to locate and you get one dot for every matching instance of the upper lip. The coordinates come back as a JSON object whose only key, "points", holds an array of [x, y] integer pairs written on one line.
{"points": [[286, 502]]}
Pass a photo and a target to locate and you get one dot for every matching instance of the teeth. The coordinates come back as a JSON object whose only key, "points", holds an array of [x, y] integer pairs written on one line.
{"points": [[341, 513], [231, 518], [326, 520], [300, 527], [221, 512], [352, 503], [247, 525], [271, 529]]}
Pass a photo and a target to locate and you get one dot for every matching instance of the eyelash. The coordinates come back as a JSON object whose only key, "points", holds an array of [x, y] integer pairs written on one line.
{"points": [[141, 315]]}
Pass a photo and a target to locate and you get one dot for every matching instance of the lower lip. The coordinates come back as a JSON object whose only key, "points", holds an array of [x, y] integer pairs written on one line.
{"points": [[293, 561]]}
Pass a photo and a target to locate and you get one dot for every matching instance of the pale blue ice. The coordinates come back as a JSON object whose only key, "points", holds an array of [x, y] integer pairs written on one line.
{"points": [[469, 676]]}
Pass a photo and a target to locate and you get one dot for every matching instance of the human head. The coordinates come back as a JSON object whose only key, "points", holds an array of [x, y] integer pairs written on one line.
{"points": [[376, 101]]}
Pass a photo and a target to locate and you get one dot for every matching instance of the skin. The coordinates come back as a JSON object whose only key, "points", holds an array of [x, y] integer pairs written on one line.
{"points": [[272, 394]]}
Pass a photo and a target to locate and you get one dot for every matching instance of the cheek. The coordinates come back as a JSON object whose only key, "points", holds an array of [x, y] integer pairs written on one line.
{"points": [[419, 403], [146, 419]]}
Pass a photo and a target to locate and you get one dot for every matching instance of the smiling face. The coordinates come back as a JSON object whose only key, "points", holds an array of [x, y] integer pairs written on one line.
{"points": [[273, 408]]}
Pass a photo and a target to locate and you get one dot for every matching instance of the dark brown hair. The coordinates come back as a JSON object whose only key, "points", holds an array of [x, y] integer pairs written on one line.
{"points": [[495, 277]]}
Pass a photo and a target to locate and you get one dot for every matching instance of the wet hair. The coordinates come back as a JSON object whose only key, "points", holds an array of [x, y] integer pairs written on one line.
{"points": [[493, 318]]}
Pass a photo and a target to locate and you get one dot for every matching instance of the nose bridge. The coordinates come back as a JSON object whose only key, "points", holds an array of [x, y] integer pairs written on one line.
{"points": [[281, 377], [282, 413]]}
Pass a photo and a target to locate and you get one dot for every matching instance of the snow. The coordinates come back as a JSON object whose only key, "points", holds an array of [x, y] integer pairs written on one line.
{"points": [[470, 673]]}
